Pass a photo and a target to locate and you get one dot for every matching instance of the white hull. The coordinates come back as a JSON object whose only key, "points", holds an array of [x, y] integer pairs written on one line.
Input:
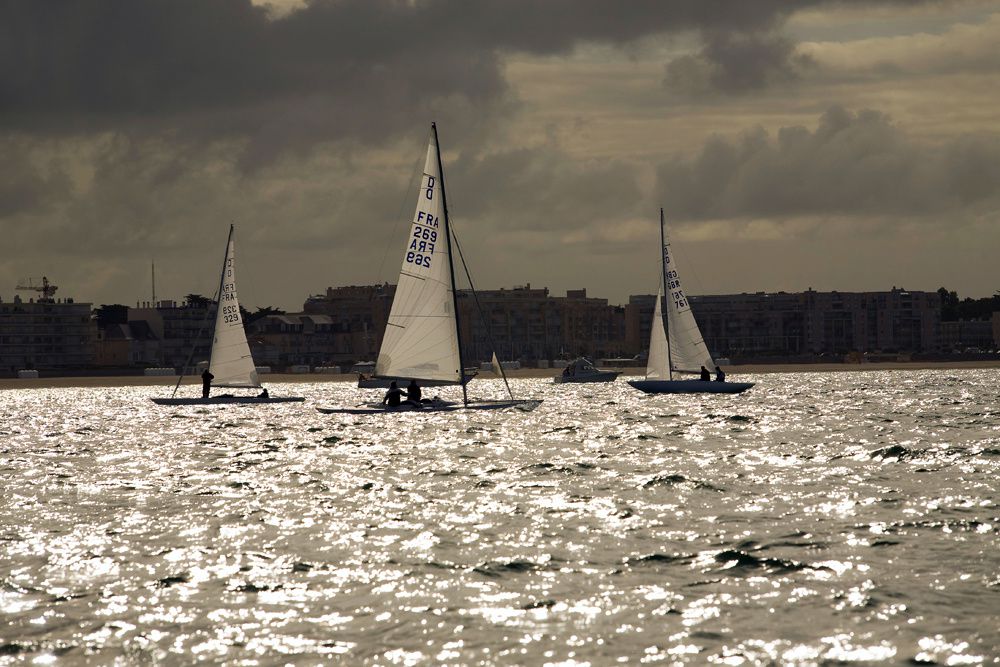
{"points": [[689, 386], [599, 376]]}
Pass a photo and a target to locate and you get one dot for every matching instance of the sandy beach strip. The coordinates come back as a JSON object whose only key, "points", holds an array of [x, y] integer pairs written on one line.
{"points": [[274, 378]]}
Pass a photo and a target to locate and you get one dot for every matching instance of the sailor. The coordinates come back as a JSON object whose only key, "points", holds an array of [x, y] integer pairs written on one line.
{"points": [[719, 375], [263, 393], [705, 375], [393, 397], [413, 393], [206, 383]]}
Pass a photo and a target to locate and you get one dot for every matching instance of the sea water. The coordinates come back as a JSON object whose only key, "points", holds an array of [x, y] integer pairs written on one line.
{"points": [[818, 518]]}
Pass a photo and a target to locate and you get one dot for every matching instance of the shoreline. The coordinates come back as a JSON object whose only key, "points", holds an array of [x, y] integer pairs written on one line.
{"points": [[636, 371]]}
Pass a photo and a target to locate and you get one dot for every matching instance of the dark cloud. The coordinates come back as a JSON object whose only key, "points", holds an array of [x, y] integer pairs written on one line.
{"points": [[851, 164], [137, 129], [336, 68], [542, 189], [24, 183], [736, 63]]}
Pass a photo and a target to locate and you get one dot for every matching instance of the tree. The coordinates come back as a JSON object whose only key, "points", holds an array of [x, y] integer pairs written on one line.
{"points": [[261, 313], [197, 301], [953, 308], [114, 314], [949, 305]]}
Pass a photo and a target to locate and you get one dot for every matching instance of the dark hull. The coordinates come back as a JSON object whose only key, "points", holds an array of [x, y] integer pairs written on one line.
{"points": [[524, 405], [227, 400], [689, 386]]}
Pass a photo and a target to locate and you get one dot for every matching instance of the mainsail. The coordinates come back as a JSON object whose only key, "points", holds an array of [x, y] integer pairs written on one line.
{"points": [[231, 362], [687, 349], [421, 337]]}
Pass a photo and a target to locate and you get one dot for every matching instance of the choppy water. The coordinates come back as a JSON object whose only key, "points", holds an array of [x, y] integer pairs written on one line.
{"points": [[819, 518]]}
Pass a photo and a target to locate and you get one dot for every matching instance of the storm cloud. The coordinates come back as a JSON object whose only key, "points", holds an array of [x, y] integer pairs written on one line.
{"points": [[337, 68], [853, 163], [131, 130]]}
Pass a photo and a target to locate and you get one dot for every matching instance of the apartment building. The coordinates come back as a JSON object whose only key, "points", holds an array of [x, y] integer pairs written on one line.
{"points": [[47, 334]]}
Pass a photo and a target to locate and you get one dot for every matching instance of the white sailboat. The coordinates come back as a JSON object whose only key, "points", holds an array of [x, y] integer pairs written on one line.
{"points": [[421, 340], [230, 363], [679, 349]]}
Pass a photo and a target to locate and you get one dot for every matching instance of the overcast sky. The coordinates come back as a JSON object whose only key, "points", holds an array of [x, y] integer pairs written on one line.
{"points": [[850, 145]]}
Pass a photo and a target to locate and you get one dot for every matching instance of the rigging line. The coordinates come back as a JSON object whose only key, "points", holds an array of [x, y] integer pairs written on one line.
{"points": [[482, 317]]}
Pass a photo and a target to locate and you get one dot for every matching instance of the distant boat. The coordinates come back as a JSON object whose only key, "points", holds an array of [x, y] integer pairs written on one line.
{"points": [[582, 370], [679, 348], [230, 363], [422, 336]]}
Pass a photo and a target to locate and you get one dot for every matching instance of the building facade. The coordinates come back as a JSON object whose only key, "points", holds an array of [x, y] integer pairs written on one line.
{"points": [[46, 335]]}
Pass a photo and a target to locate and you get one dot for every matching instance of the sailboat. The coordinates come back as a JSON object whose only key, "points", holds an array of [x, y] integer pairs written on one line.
{"points": [[422, 336], [230, 362], [679, 348]]}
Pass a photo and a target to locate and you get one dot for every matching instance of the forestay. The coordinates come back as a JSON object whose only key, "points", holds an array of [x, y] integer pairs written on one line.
{"points": [[687, 349], [421, 337], [231, 362]]}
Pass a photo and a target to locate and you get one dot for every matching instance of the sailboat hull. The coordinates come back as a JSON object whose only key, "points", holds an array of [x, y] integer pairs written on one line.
{"points": [[376, 409], [227, 400], [689, 386]]}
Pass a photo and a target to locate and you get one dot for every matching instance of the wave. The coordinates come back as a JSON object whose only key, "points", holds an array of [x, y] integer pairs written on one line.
{"points": [[741, 561], [679, 480], [660, 559]]}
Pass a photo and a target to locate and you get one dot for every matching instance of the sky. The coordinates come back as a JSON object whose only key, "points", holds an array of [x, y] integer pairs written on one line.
{"points": [[847, 145]]}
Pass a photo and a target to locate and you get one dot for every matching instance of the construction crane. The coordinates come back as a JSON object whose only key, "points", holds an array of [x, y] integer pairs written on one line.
{"points": [[44, 286]]}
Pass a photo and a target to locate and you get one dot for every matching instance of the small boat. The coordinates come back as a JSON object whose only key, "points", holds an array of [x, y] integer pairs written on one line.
{"points": [[230, 363], [679, 348], [422, 340], [582, 370]]}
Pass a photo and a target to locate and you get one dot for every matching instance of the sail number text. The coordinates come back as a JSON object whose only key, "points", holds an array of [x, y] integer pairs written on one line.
{"points": [[676, 293], [231, 314], [424, 237]]}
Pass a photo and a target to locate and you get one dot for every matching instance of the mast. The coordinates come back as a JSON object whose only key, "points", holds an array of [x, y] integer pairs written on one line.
{"points": [[451, 267], [666, 294], [152, 271]]}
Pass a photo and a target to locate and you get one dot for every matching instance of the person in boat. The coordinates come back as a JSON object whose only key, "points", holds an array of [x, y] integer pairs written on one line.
{"points": [[413, 394], [206, 383], [719, 375], [263, 393], [393, 397], [705, 375]]}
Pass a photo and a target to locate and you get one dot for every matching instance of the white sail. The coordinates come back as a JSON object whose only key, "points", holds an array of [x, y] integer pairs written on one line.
{"points": [[658, 365], [230, 363], [421, 338], [687, 349]]}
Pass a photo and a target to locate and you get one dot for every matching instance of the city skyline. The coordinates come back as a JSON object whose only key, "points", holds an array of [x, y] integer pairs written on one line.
{"points": [[837, 146], [34, 293]]}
